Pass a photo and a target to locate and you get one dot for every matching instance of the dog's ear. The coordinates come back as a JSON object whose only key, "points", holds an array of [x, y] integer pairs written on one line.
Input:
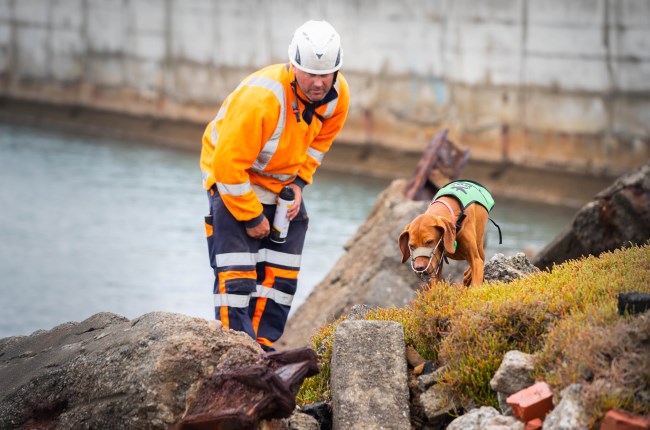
{"points": [[403, 243], [449, 235]]}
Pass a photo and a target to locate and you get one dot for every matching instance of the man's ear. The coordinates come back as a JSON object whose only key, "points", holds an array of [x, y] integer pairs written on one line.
{"points": [[449, 235], [403, 243]]}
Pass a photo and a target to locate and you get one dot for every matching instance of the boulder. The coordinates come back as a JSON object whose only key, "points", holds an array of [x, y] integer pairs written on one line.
{"points": [[161, 370], [514, 374], [507, 269], [368, 273], [438, 406], [617, 216], [569, 413]]}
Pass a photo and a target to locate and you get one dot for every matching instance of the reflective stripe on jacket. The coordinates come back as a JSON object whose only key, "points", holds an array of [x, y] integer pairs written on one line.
{"points": [[255, 139]]}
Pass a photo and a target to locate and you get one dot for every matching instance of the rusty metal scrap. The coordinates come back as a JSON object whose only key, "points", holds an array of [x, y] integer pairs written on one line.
{"points": [[241, 399], [442, 161]]}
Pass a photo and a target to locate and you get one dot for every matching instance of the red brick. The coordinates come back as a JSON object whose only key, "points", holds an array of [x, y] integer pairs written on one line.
{"points": [[619, 420], [532, 402], [535, 424]]}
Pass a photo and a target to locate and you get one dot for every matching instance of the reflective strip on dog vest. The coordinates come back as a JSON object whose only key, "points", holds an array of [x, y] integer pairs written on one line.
{"points": [[467, 192]]}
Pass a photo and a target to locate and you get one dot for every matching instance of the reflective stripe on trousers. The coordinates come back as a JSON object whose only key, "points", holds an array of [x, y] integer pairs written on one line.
{"points": [[255, 280]]}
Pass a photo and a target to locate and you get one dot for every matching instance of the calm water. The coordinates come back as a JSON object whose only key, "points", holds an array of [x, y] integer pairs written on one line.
{"points": [[90, 225]]}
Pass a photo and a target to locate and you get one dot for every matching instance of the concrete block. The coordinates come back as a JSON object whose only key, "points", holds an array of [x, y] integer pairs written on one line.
{"points": [[244, 46], [105, 71], [193, 32], [67, 49], [489, 37], [532, 402], [5, 35], [147, 16], [631, 116], [572, 13], [481, 11], [567, 74], [66, 42], [195, 83], [32, 52], [6, 14], [482, 68], [629, 14], [632, 76], [630, 43], [145, 76], [368, 376], [4, 60], [67, 14], [106, 26], [565, 112], [150, 47], [619, 420], [486, 104], [67, 68], [31, 12], [574, 42]]}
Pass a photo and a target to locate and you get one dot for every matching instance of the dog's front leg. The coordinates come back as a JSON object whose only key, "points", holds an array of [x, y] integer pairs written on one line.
{"points": [[476, 270]]}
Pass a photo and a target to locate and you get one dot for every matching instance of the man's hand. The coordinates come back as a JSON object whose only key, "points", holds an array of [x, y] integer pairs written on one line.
{"points": [[293, 210], [260, 231]]}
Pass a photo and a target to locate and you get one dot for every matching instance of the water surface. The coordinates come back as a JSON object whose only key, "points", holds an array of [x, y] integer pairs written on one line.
{"points": [[90, 225]]}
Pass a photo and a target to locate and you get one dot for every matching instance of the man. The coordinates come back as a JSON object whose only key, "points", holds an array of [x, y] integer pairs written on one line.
{"points": [[271, 132]]}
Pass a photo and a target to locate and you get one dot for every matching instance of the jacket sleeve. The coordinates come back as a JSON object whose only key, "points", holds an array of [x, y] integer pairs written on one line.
{"points": [[248, 121], [330, 129]]}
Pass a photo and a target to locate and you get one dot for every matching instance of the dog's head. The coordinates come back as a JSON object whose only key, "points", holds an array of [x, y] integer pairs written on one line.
{"points": [[425, 231]]}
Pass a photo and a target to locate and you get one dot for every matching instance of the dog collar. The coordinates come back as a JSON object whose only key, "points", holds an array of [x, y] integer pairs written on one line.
{"points": [[451, 211]]}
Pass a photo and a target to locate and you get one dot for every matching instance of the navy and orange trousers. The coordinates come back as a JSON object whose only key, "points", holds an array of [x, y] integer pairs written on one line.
{"points": [[255, 280]]}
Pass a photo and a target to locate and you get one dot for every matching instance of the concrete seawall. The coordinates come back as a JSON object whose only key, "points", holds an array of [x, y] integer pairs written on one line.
{"points": [[542, 84]]}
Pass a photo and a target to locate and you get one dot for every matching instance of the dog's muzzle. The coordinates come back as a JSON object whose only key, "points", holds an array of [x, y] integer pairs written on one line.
{"points": [[428, 253]]}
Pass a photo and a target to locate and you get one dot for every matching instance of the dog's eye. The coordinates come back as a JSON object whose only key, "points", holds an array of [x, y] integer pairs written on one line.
{"points": [[428, 243]]}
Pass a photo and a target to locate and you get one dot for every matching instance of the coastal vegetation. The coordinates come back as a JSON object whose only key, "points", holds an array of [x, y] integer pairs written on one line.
{"points": [[568, 317]]}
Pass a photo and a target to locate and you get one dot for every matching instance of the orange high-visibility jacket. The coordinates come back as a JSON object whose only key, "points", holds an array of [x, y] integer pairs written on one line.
{"points": [[256, 139]]}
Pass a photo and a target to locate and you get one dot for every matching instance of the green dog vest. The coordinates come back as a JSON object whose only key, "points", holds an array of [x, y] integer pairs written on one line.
{"points": [[467, 192]]}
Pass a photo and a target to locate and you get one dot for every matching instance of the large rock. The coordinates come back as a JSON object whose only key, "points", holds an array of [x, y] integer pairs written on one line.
{"points": [[514, 374], [618, 215], [157, 371], [507, 269], [368, 376], [368, 273], [569, 413], [485, 418]]}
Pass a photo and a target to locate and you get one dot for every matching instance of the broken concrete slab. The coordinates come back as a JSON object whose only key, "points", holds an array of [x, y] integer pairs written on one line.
{"points": [[369, 376]]}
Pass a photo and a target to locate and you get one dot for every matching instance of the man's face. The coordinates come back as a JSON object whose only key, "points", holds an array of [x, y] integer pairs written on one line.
{"points": [[315, 87]]}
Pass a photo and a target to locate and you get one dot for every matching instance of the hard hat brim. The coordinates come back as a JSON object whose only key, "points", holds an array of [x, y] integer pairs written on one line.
{"points": [[316, 71]]}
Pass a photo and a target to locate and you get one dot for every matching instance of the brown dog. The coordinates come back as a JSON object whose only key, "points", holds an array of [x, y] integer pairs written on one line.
{"points": [[433, 234]]}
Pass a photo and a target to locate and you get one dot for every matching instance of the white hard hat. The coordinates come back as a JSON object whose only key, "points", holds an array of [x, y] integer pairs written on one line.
{"points": [[316, 48]]}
